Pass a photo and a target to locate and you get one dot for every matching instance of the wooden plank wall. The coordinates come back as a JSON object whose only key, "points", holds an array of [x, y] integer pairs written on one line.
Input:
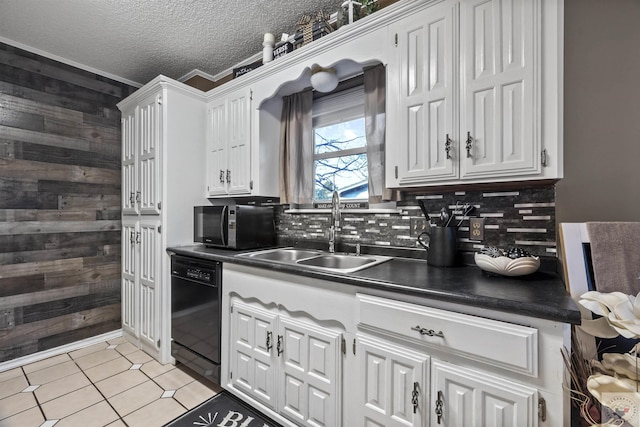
{"points": [[60, 186]]}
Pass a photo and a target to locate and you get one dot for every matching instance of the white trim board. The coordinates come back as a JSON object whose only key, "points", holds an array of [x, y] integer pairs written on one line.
{"points": [[41, 355]]}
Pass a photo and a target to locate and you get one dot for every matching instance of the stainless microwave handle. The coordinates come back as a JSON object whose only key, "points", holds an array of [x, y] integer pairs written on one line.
{"points": [[222, 222]]}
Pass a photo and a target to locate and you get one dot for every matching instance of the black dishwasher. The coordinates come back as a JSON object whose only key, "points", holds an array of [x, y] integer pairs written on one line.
{"points": [[196, 294]]}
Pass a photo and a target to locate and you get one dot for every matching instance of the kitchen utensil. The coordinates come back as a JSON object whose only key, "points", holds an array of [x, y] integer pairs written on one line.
{"points": [[441, 244], [466, 210], [424, 209], [451, 214], [445, 216]]}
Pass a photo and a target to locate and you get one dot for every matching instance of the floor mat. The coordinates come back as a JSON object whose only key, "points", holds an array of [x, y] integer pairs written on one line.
{"points": [[223, 409]]}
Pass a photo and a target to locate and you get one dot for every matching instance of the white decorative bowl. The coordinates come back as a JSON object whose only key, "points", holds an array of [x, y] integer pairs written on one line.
{"points": [[507, 266]]}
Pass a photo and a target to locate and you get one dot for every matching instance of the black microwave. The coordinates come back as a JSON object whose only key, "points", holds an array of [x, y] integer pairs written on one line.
{"points": [[234, 226]]}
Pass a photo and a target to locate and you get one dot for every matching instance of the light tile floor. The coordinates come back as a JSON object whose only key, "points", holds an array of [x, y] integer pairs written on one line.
{"points": [[108, 384]]}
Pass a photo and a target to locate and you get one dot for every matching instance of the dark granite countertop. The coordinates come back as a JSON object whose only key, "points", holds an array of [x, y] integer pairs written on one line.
{"points": [[540, 295]]}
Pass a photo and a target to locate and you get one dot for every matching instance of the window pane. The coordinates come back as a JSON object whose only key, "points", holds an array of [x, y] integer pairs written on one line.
{"points": [[347, 175], [340, 136]]}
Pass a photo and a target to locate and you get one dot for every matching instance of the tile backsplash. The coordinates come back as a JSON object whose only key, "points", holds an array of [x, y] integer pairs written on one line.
{"points": [[523, 217]]}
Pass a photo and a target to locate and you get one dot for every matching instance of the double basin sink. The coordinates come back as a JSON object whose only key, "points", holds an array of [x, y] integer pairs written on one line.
{"points": [[318, 260]]}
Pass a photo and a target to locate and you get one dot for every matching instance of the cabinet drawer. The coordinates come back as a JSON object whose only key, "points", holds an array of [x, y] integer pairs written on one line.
{"points": [[501, 344]]}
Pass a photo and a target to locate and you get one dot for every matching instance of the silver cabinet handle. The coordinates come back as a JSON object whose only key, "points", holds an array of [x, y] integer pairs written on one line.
{"points": [[447, 146], [268, 344], [228, 176], [132, 198], [469, 144], [414, 396], [428, 332], [439, 404], [279, 345], [221, 176]]}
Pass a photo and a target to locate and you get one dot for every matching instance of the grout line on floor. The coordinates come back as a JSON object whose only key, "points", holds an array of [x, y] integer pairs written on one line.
{"points": [[166, 394]]}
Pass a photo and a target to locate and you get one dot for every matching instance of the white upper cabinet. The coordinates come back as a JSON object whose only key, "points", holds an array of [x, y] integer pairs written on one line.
{"points": [[473, 93], [420, 120], [499, 123], [150, 137], [229, 129], [141, 148]]}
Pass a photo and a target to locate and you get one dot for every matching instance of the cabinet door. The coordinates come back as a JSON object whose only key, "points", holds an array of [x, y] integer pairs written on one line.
{"points": [[468, 398], [129, 164], [239, 142], [500, 89], [253, 366], [393, 383], [129, 276], [216, 149], [149, 123], [150, 279], [309, 389], [421, 117]]}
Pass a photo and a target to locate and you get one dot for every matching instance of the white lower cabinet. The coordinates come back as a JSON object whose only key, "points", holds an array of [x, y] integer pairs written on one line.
{"points": [[289, 365], [392, 384], [399, 386], [470, 398], [141, 275], [311, 352]]}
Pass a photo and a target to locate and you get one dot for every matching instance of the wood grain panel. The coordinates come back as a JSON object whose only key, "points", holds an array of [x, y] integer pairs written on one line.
{"points": [[57, 141], [22, 105], [50, 68], [21, 285], [43, 328], [60, 185], [52, 171], [57, 226], [99, 273], [53, 294]]}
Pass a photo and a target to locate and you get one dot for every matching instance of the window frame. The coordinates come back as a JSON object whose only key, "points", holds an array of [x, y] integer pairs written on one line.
{"points": [[335, 108]]}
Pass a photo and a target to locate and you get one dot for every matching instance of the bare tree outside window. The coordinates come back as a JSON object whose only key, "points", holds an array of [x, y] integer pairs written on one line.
{"points": [[340, 160]]}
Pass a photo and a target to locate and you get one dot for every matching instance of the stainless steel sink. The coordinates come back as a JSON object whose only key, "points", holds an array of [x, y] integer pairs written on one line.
{"points": [[283, 255], [342, 263]]}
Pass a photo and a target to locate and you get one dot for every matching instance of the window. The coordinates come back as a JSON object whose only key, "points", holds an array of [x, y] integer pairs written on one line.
{"points": [[340, 146]]}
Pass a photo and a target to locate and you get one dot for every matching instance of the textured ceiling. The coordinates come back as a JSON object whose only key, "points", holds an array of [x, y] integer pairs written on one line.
{"points": [[138, 39]]}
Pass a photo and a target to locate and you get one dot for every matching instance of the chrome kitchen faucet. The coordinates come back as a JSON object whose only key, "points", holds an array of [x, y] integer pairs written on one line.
{"points": [[334, 221]]}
